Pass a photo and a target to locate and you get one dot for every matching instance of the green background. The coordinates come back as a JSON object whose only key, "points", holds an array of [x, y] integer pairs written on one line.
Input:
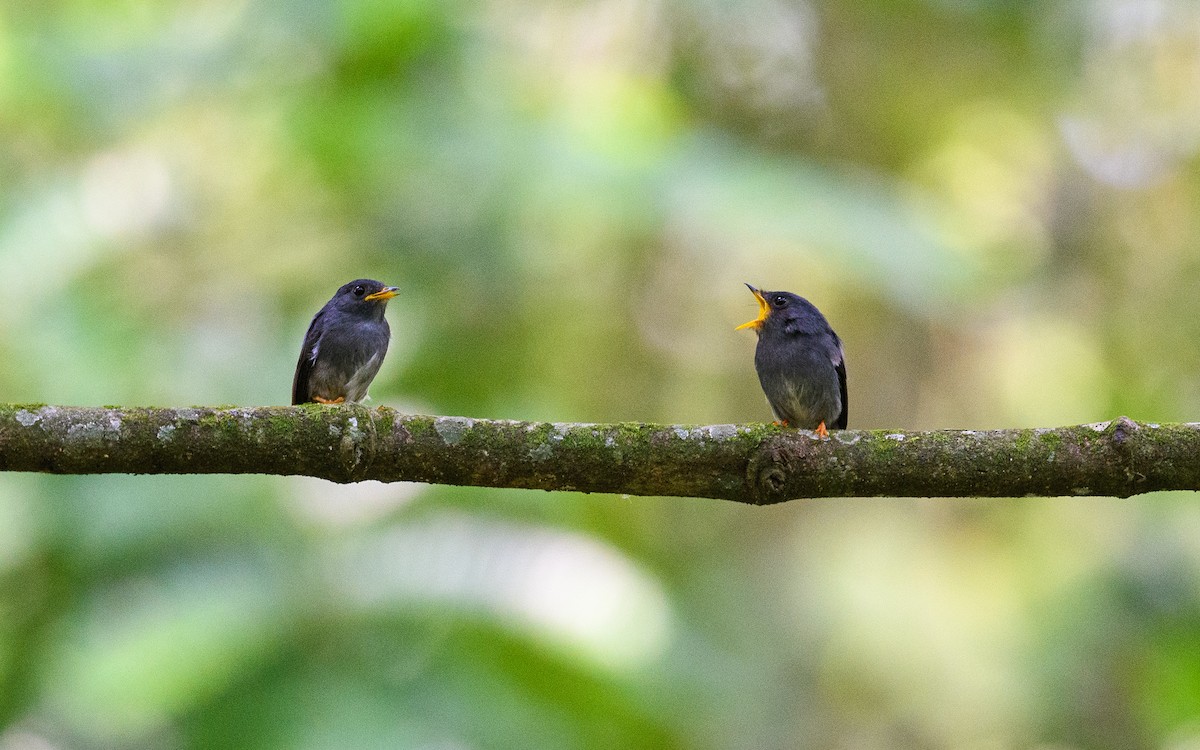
{"points": [[995, 203]]}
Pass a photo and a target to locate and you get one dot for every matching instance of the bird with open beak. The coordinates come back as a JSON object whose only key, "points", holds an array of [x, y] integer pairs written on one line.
{"points": [[800, 362], [344, 346]]}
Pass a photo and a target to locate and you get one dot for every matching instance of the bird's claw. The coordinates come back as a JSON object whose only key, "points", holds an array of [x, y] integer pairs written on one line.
{"points": [[821, 431], [321, 400]]}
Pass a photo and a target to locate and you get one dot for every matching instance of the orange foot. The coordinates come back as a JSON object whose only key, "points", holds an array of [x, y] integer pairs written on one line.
{"points": [[338, 400], [821, 431]]}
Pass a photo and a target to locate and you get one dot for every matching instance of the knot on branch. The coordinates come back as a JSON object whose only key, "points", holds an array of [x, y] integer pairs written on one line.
{"points": [[771, 477], [772, 466], [1122, 433], [1122, 428]]}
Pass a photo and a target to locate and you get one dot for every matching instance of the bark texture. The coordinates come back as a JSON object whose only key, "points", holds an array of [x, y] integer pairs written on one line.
{"points": [[758, 464]]}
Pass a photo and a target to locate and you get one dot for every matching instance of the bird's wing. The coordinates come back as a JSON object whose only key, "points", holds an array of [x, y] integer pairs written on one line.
{"points": [[308, 357], [839, 364]]}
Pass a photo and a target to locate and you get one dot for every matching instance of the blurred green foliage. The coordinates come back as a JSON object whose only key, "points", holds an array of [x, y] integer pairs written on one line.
{"points": [[995, 202]]}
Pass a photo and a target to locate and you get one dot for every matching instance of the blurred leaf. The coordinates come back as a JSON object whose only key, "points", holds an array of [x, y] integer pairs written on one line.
{"points": [[144, 651]]}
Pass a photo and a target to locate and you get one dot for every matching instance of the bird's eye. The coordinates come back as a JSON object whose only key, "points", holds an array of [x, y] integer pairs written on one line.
{"points": [[779, 300], [358, 291]]}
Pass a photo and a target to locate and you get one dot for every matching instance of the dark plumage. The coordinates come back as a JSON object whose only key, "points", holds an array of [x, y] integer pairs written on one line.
{"points": [[800, 362], [344, 346]]}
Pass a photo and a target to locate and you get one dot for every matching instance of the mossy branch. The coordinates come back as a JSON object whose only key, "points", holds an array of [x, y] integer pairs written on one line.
{"points": [[756, 463]]}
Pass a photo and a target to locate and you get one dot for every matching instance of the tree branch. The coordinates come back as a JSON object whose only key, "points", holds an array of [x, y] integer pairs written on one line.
{"points": [[757, 463]]}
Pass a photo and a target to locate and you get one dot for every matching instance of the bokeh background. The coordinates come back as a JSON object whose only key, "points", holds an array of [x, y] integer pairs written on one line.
{"points": [[995, 202]]}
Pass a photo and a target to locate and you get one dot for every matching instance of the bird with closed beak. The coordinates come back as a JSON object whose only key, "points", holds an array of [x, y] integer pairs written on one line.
{"points": [[344, 346], [800, 362]]}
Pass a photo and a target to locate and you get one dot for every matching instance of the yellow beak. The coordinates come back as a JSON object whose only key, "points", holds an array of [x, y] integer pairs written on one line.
{"points": [[383, 294], [763, 309]]}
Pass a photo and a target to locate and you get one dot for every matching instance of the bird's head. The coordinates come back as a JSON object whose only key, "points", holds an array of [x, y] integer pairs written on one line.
{"points": [[364, 296], [776, 308]]}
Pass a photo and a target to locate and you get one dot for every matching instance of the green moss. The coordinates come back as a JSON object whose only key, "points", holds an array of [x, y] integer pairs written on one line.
{"points": [[221, 423], [312, 411], [279, 426], [540, 433], [135, 419], [383, 424], [14, 408], [1023, 440], [1166, 435], [419, 427], [754, 434], [631, 432], [881, 445], [1052, 441], [586, 439]]}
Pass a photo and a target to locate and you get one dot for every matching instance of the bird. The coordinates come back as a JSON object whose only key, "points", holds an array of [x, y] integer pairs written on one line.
{"points": [[800, 362], [345, 345]]}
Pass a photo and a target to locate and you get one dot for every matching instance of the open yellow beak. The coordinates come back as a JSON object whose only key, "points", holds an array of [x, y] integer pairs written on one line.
{"points": [[763, 310], [383, 294]]}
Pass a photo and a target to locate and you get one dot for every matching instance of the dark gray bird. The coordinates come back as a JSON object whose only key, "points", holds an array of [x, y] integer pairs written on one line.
{"points": [[344, 346], [800, 362]]}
